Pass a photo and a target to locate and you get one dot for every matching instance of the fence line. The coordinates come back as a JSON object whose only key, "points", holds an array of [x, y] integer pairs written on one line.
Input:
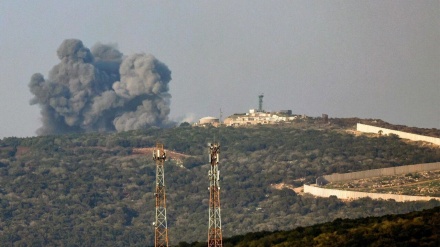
{"points": [[390, 171], [414, 137], [344, 194]]}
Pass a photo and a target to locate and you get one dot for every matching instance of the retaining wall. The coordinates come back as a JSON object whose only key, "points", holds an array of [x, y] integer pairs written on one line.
{"points": [[414, 137], [344, 194], [390, 171]]}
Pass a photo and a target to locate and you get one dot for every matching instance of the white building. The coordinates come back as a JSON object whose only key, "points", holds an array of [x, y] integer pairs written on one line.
{"points": [[256, 117]]}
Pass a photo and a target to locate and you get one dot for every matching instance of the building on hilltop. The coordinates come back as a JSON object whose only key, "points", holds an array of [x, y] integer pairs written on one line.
{"points": [[256, 117], [206, 121]]}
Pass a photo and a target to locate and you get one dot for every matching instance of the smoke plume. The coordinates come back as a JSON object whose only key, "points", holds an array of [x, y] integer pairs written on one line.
{"points": [[100, 89]]}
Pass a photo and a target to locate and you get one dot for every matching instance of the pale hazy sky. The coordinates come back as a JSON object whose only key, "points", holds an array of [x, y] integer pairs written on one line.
{"points": [[368, 59]]}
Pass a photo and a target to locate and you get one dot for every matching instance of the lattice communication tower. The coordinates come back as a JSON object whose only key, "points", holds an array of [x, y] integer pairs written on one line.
{"points": [[160, 230], [215, 223]]}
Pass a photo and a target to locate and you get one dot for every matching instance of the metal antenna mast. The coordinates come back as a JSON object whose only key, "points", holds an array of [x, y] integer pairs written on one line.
{"points": [[160, 225], [215, 223]]}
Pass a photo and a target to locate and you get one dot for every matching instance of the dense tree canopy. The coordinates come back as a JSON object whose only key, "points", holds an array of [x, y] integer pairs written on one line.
{"points": [[412, 229], [92, 189]]}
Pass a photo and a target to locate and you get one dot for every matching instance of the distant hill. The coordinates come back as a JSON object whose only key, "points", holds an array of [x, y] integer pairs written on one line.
{"points": [[97, 189]]}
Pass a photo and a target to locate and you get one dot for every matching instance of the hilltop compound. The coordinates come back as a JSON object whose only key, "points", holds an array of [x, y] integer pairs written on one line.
{"points": [[256, 117], [259, 116]]}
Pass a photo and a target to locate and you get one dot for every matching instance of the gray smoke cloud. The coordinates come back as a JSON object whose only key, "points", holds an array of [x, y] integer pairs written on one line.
{"points": [[100, 89]]}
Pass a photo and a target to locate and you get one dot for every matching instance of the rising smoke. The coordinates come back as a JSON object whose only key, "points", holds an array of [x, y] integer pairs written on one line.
{"points": [[101, 90]]}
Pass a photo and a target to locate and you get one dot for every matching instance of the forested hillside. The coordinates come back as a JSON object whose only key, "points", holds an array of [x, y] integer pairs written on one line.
{"points": [[92, 189], [412, 229]]}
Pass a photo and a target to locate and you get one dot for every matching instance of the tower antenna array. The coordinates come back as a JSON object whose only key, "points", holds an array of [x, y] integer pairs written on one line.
{"points": [[215, 224], [260, 103], [160, 225]]}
